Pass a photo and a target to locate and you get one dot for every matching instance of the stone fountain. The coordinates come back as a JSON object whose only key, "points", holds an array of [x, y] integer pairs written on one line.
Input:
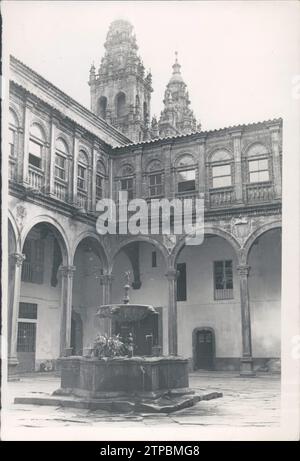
{"points": [[141, 381]]}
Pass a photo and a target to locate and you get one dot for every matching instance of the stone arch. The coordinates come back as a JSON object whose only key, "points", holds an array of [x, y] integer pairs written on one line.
{"points": [[136, 239], [245, 251], [154, 165], [13, 118], [15, 110], [184, 159], [59, 231], [252, 149], [13, 223], [126, 170], [220, 154], [90, 234], [42, 127], [212, 230], [83, 156], [65, 140]]}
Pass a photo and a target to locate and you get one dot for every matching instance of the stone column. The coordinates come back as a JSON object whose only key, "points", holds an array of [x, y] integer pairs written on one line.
{"points": [[276, 160], [238, 180], [17, 260], [172, 311], [106, 283], [67, 274], [246, 368]]}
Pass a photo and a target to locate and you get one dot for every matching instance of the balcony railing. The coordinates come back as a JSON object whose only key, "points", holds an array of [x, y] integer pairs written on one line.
{"points": [[221, 197], [35, 178], [262, 192], [60, 191]]}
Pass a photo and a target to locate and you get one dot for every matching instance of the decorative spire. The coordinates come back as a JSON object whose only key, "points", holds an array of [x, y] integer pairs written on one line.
{"points": [[177, 117]]}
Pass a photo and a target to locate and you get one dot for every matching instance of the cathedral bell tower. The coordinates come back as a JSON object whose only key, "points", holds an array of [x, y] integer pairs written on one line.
{"points": [[177, 117], [120, 91]]}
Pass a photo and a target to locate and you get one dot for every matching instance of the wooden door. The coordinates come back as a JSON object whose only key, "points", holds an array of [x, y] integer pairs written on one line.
{"points": [[204, 350]]}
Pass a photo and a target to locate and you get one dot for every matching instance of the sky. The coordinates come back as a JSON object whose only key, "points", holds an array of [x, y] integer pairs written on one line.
{"points": [[238, 59]]}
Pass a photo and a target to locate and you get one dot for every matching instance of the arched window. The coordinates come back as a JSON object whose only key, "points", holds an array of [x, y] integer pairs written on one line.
{"points": [[155, 175], [13, 128], [258, 159], [61, 155], [221, 169], [126, 182], [100, 174], [121, 104], [82, 170], [186, 174], [102, 106], [36, 144]]}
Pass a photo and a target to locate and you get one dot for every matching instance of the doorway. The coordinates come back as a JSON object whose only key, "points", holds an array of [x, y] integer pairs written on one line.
{"points": [[204, 348]]}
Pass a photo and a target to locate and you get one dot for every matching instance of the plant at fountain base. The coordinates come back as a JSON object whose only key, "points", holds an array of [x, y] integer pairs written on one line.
{"points": [[112, 346]]}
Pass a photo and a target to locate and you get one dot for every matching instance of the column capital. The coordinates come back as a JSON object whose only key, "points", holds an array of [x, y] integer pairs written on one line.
{"points": [[106, 279], [171, 274], [243, 270], [18, 258], [67, 271]]}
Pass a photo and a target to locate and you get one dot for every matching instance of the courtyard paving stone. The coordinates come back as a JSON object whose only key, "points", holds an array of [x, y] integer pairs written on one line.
{"points": [[251, 402]]}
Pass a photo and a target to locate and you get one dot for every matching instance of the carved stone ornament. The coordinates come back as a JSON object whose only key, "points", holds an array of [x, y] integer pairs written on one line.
{"points": [[20, 215], [169, 242], [241, 228]]}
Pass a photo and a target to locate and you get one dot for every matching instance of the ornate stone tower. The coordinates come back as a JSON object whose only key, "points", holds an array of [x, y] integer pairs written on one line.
{"points": [[176, 117], [121, 92]]}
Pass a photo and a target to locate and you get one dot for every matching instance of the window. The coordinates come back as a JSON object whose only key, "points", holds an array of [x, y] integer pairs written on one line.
{"points": [[61, 159], [13, 126], [121, 104], [127, 185], [223, 279], [27, 311], [154, 259], [221, 176], [36, 143], [60, 167], [258, 170], [181, 282], [186, 180], [155, 181], [33, 266], [35, 154], [81, 179], [99, 191]]}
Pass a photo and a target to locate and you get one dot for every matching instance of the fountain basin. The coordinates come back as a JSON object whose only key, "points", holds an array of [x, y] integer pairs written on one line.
{"points": [[96, 378]]}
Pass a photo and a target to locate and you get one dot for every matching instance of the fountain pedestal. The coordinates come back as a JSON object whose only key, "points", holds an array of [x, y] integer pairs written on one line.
{"points": [[140, 376]]}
